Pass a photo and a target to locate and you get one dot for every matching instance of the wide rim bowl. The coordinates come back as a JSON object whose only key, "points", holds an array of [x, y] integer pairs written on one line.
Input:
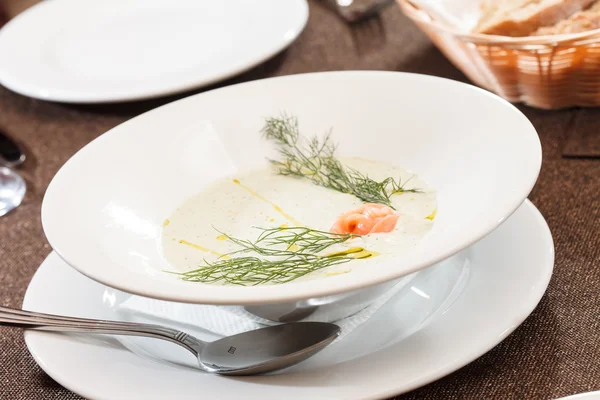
{"points": [[103, 211]]}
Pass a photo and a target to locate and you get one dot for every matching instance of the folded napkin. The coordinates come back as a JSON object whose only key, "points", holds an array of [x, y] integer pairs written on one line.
{"points": [[231, 320]]}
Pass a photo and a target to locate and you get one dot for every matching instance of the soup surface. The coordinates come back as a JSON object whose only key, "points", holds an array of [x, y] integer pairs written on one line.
{"points": [[240, 206]]}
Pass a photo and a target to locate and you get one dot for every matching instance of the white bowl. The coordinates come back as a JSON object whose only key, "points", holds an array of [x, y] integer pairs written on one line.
{"points": [[103, 211]]}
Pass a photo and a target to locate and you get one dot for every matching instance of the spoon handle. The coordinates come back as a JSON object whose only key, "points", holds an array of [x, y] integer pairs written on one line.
{"points": [[49, 322]]}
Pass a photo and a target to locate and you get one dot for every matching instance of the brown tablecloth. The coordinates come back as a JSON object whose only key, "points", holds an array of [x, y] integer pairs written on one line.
{"points": [[556, 352]]}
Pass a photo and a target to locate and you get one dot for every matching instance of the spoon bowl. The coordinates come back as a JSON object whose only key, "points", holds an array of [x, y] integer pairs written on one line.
{"points": [[267, 349], [12, 190]]}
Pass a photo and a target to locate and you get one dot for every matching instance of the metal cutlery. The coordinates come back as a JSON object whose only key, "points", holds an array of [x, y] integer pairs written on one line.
{"points": [[253, 352], [358, 10], [12, 185], [11, 154]]}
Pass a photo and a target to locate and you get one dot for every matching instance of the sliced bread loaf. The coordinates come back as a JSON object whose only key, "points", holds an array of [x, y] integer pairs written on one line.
{"points": [[579, 22], [524, 17]]}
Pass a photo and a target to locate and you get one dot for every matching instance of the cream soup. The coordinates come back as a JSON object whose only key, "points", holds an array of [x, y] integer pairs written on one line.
{"points": [[261, 198]]}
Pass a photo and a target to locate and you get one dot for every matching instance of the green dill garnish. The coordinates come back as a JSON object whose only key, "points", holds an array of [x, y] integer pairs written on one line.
{"points": [[287, 254], [297, 239], [250, 271], [314, 160]]}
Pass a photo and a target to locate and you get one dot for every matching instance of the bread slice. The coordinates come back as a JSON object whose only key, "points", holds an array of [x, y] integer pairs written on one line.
{"points": [[579, 22], [524, 17]]}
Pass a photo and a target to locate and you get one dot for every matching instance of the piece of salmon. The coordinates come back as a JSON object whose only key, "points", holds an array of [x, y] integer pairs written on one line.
{"points": [[368, 218]]}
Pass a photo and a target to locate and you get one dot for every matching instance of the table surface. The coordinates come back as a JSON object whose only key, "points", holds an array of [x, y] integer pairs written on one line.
{"points": [[554, 353]]}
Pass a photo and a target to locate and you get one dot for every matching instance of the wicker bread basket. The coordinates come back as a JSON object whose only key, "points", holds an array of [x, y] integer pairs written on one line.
{"points": [[548, 72]]}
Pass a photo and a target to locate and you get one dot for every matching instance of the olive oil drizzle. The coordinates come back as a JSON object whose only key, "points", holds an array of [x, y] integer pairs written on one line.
{"points": [[275, 206], [201, 248], [431, 216], [358, 253]]}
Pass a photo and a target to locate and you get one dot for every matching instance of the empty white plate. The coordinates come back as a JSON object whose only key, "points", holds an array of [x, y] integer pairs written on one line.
{"points": [[118, 50], [422, 334]]}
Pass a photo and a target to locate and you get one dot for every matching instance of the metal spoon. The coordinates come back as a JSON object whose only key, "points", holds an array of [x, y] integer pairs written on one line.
{"points": [[12, 185], [253, 352], [12, 190], [11, 154]]}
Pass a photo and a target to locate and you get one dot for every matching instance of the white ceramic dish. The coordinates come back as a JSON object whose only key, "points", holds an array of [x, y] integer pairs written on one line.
{"points": [[121, 50], [583, 396], [415, 338], [103, 212]]}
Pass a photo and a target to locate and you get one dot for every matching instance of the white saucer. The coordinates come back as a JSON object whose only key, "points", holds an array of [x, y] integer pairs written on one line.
{"points": [[502, 281], [119, 50], [583, 396]]}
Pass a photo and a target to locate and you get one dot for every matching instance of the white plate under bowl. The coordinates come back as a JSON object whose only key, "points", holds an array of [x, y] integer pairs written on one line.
{"points": [[118, 50], [583, 396], [508, 272], [103, 212]]}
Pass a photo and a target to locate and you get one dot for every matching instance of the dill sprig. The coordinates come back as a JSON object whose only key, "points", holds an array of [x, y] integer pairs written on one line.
{"points": [[314, 159], [288, 254], [295, 239], [250, 271]]}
